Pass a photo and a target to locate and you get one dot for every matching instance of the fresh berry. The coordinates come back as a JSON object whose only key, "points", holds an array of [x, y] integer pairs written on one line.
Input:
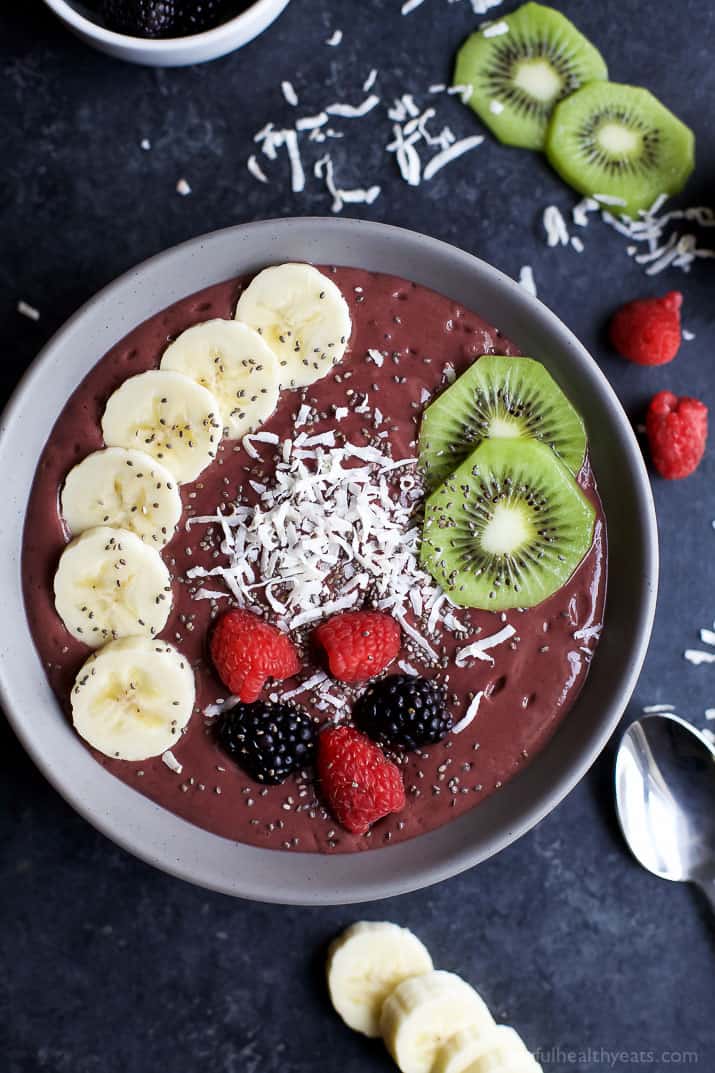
{"points": [[677, 433], [359, 783], [358, 644], [140, 18], [246, 651], [648, 331], [404, 710], [195, 16], [269, 741]]}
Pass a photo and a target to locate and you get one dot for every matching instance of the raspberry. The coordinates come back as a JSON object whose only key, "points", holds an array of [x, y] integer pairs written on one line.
{"points": [[648, 331], [246, 651], [677, 432], [359, 783], [269, 741], [359, 644], [404, 710]]}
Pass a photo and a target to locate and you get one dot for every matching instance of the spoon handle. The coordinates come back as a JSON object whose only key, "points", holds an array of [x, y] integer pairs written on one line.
{"points": [[707, 886]]}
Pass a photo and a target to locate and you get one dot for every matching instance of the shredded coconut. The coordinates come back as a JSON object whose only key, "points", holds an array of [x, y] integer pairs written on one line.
{"points": [[469, 715], [495, 29], [526, 279], [478, 649], [182, 188], [26, 310], [335, 38], [256, 170], [333, 530], [555, 227], [289, 93], [171, 762], [697, 656]]}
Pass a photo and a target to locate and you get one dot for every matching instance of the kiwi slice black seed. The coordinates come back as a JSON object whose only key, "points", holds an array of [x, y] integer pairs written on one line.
{"points": [[498, 398], [620, 141], [507, 528], [520, 66]]}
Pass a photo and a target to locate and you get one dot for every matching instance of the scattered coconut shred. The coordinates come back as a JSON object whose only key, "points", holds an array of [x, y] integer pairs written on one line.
{"points": [[335, 529], [419, 150], [656, 240]]}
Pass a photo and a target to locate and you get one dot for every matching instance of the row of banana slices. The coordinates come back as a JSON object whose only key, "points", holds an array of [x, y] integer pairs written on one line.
{"points": [[382, 983], [122, 504]]}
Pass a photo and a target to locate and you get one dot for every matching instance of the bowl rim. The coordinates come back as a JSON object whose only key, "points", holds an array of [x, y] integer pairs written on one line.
{"points": [[153, 46], [156, 838]]}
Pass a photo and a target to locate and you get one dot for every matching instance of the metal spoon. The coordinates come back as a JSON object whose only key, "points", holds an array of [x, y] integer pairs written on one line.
{"points": [[665, 798]]}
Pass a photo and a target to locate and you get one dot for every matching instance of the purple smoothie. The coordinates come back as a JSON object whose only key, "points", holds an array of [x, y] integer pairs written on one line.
{"points": [[535, 676]]}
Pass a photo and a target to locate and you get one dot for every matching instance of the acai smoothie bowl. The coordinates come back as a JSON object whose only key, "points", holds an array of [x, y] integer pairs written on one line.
{"points": [[311, 553]]}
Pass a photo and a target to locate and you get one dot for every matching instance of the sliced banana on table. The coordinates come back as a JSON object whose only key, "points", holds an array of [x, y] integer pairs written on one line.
{"points": [[168, 416], [365, 964], [501, 1050], [124, 489], [302, 316], [232, 361], [132, 699], [110, 584], [423, 1012]]}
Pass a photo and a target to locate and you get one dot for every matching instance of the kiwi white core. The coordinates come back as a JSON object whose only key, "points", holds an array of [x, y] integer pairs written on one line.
{"points": [[501, 429], [509, 528], [539, 79], [618, 140]]}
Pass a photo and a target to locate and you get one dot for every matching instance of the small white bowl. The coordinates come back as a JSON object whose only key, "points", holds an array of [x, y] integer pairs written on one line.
{"points": [[171, 51]]}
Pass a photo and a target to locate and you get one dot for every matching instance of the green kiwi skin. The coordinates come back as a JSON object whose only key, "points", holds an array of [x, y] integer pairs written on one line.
{"points": [[450, 428], [530, 23], [668, 143], [566, 517]]}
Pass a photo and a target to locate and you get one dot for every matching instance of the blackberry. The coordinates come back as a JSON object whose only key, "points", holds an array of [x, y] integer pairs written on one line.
{"points": [[140, 18], [269, 741], [195, 16], [404, 710]]}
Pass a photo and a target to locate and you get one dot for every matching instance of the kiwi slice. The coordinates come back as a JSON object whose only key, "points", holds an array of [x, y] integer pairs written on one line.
{"points": [[507, 528], [622, 142], [498, 398], [517, 75]]}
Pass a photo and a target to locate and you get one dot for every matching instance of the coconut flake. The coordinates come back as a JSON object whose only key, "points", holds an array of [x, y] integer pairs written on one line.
{"points": [[651, 709], [456, 150], [478, 649], [289, 93], [469, 715], [697, 656], [526, 279], [555, 227], [349, 111], [495, 29], [26, 310], [255, 169], [182, 188], [335, 38], [171, 762]]}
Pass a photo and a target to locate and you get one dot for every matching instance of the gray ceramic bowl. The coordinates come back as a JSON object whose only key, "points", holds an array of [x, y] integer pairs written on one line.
{"points": [[174, 845]]}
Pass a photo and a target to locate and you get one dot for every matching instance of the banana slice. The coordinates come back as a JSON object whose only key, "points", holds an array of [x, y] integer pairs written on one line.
{"points": [[499, 1050], [124, 490], [110, 584], [365, 964], [235, 365], [422, 1013], [167, 415], [303, 318], [459, 1053], [132, 699]]}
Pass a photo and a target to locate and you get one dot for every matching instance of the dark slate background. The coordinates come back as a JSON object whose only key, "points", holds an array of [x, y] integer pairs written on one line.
{"points": [[110, 967]]}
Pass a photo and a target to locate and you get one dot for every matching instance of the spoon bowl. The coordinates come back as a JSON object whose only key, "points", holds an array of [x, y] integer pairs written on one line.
{"points": [[665, 799]]}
